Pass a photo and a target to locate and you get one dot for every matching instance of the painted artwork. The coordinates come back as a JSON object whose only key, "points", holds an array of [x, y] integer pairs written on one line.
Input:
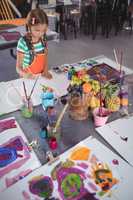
{"points": [[105, 71], [41, 186], [13, 154], [16, 160], [97, 175], [119, 134], [82, 177], [7, 124]]}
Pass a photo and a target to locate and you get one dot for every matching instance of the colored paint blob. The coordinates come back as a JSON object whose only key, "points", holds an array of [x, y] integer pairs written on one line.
{"points": [[42, 186], [71, 185]]}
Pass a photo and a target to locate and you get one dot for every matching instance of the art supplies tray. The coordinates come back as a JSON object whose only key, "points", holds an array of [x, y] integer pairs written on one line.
{"points": [[106, 72]]}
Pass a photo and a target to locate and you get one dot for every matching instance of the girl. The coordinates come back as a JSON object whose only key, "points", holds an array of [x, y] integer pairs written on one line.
{"points": [[32, 49]]}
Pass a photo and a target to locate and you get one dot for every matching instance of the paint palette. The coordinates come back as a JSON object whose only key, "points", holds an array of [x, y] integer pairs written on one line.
{"points": [[106, 72]]}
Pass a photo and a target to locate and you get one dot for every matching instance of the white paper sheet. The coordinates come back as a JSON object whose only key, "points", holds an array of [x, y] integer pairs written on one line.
{"points": [[119, 134], [12, 92]]}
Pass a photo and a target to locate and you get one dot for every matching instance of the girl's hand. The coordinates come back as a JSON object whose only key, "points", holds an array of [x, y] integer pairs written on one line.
{"points": [[29, 76], [47, 75]]}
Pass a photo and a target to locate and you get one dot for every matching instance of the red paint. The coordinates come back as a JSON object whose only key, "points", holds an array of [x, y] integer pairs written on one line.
{"points": [[53, 143]]}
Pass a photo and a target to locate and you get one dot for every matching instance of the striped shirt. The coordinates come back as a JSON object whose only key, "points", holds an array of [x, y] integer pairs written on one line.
{"points": [[22, 47]]}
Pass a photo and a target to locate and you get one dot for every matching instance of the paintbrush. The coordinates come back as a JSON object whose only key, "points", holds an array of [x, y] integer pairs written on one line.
{"points": [[33, 87], [100, 81], [121, 58], [116, 57], [25, 92], [60, 117]]}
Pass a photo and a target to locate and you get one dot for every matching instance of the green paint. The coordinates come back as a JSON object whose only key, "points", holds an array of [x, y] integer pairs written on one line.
{"points": [[101, 193], [26, 112], [71, 185]]}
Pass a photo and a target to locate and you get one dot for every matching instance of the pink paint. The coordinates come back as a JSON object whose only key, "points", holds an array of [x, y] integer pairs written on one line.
{"points": [[7, 124], [115, 162], [26, 195], [20, 160], [83, 165], [11, 181], [92, 186], [62, 173]]}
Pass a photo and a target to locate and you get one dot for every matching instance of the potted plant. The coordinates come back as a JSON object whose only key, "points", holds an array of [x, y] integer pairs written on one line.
{"points": [[109, 102]]}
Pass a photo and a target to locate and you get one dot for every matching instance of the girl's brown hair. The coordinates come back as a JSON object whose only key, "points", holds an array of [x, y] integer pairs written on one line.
{"points": [[36, 16]]}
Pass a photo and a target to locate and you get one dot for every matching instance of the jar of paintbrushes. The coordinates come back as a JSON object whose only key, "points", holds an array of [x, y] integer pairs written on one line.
{"points": [[27, 107]]}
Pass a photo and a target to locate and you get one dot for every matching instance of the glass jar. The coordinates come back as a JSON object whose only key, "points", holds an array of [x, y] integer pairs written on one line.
{"points": [[27, 108]]}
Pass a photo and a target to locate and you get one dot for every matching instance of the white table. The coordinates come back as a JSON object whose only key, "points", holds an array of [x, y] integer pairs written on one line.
{"points": [[11, 101]]}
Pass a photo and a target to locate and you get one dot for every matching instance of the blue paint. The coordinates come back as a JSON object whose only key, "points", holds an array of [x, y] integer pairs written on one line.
{"points": [[7, 156], [43, 133], [47, 95]]}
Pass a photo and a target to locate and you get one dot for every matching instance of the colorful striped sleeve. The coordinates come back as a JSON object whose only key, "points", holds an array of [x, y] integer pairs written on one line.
{"points": [[21, 46]]}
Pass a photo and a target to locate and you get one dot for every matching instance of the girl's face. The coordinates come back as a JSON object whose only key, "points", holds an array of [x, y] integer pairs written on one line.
{"points": [[38, 31]]}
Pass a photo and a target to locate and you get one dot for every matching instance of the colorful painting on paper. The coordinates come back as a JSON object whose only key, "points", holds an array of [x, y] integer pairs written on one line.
{"points": [[79, 176], [13, 154], [78, 179], [92, 176], [105, 71]]}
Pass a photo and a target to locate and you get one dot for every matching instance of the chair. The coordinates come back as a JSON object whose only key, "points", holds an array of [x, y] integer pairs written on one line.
{"points": [[67, 21], [119, 14], [97, 14], [8, 14], [130, 16]]}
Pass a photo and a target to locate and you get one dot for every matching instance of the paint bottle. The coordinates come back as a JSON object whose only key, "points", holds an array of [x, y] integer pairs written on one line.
{"points": [[43, 133], [53, 143]]}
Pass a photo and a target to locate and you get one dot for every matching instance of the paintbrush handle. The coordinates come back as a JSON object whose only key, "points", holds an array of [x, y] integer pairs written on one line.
{"points": [[33, 87], [25, 92], [61, 116], [121, 58], [116, 57]]}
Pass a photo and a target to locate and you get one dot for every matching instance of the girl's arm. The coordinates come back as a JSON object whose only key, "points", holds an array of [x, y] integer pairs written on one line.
{"points": [[19, 68], [46, 73]]}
